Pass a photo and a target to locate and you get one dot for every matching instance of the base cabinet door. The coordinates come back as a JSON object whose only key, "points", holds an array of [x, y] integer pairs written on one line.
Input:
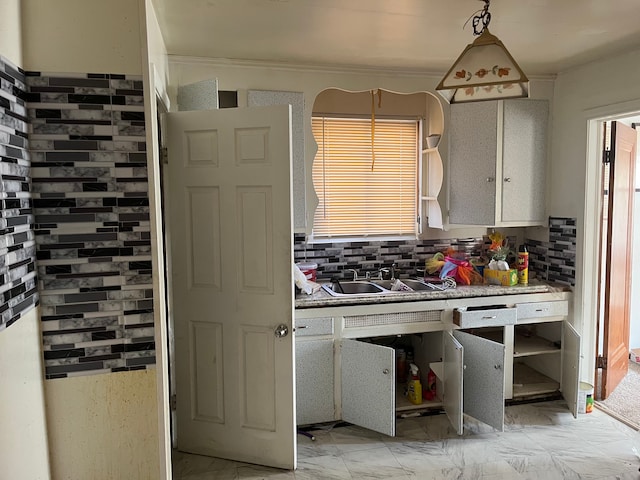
{"points": [[314, 382], [483, 379], [453, 368], [368, 386], [570, 366]]}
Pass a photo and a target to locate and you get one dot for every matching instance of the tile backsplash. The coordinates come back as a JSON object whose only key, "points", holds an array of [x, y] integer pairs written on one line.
{"points": [[91, 206], [335, 259], [18, 289], [553, 260]]}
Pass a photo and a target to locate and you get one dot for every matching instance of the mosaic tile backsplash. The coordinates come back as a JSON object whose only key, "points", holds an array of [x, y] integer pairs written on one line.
{"points": [[336, 259], [91, 205], [553, 261], [18, 289]]}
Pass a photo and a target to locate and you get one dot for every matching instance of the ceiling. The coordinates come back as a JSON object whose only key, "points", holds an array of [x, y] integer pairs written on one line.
{"points": [[544, 36]]}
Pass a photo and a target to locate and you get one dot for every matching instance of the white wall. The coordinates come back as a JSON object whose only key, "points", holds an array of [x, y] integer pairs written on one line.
{"points": [[156, 74], [82, 36], [247, 75], [599, 89], [23, 437], [101, 426], [10, 31]]}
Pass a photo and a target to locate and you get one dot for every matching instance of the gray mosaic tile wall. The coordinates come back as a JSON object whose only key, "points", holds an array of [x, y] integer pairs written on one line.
{"points": [[555, 260], [335, 259], [91, 208], [18, 290]]}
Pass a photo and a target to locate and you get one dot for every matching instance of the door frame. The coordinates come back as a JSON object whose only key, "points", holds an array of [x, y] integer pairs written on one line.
{"points": [[587, 321]]}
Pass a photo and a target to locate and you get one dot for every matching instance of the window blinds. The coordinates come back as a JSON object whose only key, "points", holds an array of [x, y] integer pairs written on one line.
{"points": [[357, 197]]}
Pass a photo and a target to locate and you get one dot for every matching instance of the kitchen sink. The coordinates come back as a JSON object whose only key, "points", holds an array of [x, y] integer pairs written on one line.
{"points": [[416, 285], [350, 288]]}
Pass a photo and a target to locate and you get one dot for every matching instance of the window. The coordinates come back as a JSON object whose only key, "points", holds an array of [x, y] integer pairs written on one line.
{"points": [[363, 194]]}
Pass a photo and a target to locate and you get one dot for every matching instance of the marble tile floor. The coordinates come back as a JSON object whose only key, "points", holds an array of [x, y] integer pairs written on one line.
{"points": [[540, 441]]}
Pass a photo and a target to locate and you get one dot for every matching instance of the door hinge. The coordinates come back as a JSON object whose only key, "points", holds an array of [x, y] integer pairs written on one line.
{"points": [[164, 154], [601, 362], [606, 157], [172, 402]]}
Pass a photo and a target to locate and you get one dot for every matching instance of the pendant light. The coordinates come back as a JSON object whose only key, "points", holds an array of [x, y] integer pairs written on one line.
{"points": [[485, 70]]}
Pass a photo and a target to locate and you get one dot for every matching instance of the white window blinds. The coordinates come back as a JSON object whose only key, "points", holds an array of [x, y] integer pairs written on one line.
{"points": [[359, 195]]}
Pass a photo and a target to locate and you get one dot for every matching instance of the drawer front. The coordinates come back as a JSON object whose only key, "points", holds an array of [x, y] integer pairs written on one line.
{"points": [[306, 327], [542, 309], [490, 317]]}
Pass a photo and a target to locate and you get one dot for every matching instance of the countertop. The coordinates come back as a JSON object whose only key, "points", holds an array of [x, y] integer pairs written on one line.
{"points": [[323, 299]]}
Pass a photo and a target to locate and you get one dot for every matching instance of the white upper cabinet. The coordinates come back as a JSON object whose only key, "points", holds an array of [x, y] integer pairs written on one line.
{"points": [[497, 163]]}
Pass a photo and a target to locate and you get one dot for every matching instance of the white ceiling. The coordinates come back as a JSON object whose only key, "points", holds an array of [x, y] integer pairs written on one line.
{"points": [[544, 36]]}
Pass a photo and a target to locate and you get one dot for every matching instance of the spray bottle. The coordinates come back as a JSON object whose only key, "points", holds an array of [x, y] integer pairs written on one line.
{"points": [[414, 387]]}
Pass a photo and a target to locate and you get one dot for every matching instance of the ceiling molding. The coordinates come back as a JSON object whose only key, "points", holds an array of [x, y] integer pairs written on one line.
{"points": [[315, 68]]}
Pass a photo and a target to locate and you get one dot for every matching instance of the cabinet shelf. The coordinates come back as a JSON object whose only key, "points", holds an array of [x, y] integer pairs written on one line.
{"points": [[533, 345], [527, 381], [404, 405]]}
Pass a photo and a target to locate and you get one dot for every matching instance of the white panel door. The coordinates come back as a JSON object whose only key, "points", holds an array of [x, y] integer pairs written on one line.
{"points": [[231, 257], [369, 386]]}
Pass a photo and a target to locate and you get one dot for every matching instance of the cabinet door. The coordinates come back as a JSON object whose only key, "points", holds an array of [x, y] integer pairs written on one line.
{"points": [[473, 151], [314, 382], [483, 379], [453, 360], [570, 366], [368, 386], [524, 159]]}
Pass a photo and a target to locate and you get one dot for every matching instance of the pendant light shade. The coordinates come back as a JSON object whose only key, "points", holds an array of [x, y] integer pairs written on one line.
{"points": [[484, 71]]}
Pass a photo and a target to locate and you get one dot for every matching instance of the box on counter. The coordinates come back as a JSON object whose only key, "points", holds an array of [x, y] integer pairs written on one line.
{"points": [[634, 355], [506, 278]]}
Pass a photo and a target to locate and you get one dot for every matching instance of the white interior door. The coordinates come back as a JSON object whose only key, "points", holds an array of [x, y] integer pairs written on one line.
{"points": [[369, 386], [231, 253]]}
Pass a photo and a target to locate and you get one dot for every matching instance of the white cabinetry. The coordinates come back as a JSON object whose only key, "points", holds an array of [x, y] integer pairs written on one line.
{"points": [[314, 371], [497, 163], [482, 350]]}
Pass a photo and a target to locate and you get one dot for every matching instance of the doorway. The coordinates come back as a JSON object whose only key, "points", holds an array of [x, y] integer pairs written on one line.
{"points": [[615, 384]]}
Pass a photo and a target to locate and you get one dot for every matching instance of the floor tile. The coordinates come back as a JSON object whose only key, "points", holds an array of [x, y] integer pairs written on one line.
{"points": [[540, 441]]}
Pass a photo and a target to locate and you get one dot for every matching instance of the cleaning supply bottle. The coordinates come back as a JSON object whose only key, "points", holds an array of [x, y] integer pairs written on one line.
{"points": [[523, 265], [430, 392], [414, 387]]}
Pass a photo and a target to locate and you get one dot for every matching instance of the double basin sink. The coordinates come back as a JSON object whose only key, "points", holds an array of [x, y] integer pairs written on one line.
{"points": [[375, 287]]}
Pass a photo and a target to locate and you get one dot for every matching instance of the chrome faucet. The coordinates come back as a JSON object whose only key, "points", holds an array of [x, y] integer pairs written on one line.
{"points": [[355, 273], [388, 273]]}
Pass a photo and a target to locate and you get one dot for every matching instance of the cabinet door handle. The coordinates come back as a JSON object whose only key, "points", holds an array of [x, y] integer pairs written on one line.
{"points": [[385, 371], [497, 367], [301, 327], [488, 317], [491, 179], [507, 179]]}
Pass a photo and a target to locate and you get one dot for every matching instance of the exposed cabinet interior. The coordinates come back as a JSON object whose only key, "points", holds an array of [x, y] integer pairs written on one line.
{"points": [[348, 363]]}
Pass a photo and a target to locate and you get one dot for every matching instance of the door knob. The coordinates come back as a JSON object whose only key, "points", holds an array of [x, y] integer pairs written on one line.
{"points": [[281, 331]]}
